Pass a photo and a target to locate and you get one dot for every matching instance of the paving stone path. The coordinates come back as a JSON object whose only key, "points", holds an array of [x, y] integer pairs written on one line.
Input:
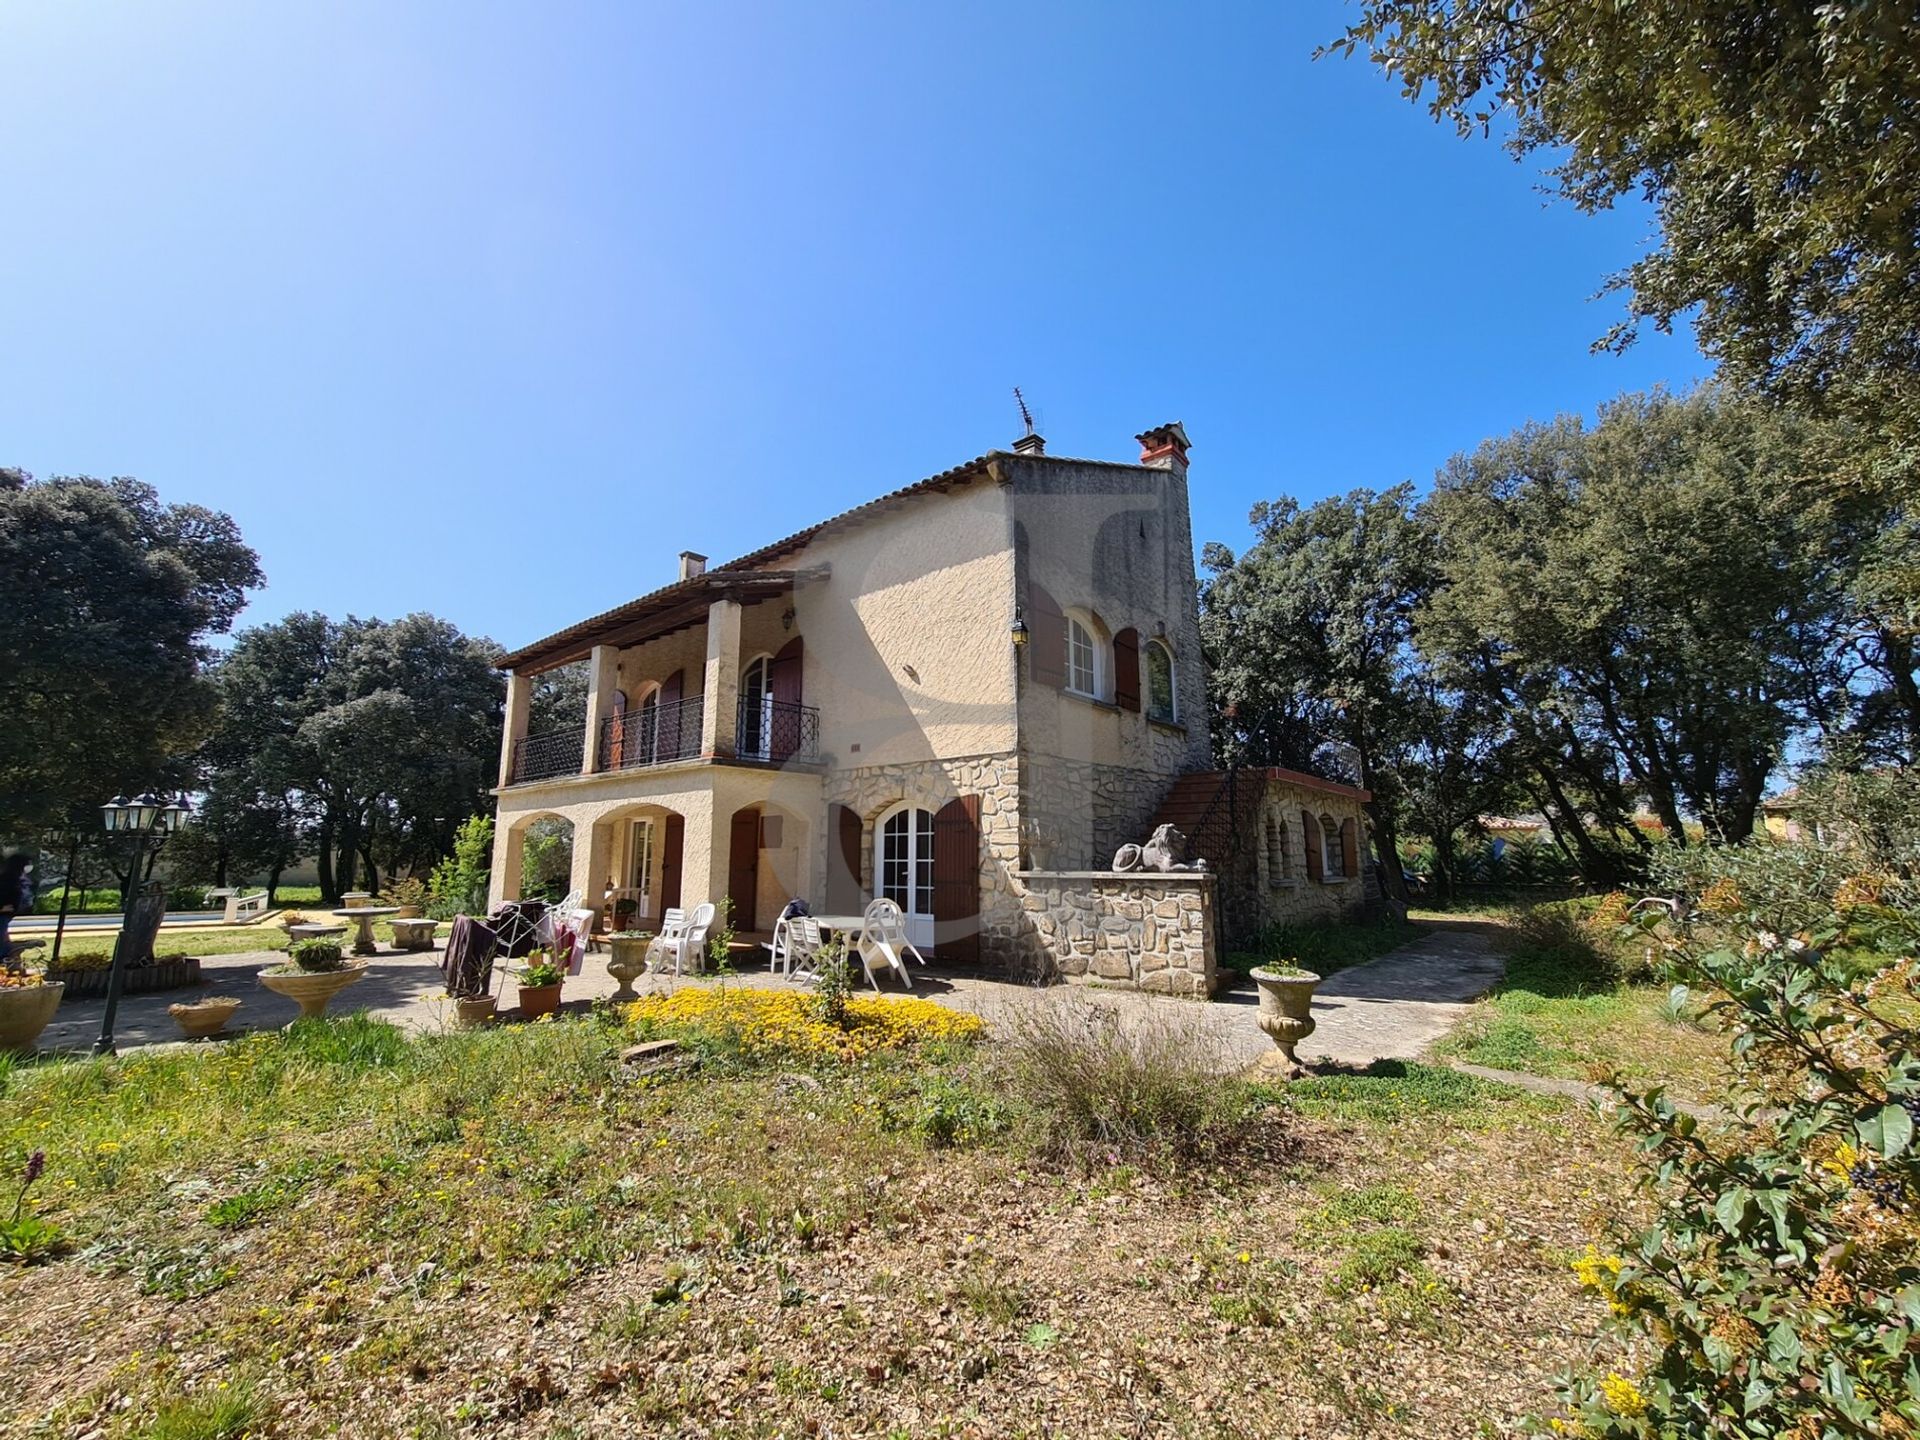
{"points": [[1392, 1008]]}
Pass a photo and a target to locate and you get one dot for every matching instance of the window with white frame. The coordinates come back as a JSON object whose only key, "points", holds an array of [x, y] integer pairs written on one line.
{"points": [[1161, 704], [1083, 658], [1333, 856]]}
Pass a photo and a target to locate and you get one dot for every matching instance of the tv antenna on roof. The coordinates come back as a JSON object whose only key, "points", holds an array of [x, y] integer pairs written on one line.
{"points": [[1025, 414]]}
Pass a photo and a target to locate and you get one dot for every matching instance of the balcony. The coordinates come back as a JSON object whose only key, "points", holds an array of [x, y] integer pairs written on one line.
{"points": [[542, 757], [777, 731], [655, 735]]}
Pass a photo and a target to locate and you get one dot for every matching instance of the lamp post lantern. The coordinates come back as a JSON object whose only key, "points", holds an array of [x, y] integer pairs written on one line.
{"points": [[146, 819]]}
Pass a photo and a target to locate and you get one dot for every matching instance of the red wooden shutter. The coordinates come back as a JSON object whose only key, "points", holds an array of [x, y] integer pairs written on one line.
{"points": [[1047, 632], [956, 879], [783, 682], [1310, 835], [1126, 670], [1350, 848], [843, 863], [614, 751]]}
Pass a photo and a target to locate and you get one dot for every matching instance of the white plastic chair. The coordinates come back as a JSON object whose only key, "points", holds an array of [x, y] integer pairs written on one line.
{"points": [[682, 940], [805, 940], [693, 949], [883, 937], [779, 956], [673, 929]]}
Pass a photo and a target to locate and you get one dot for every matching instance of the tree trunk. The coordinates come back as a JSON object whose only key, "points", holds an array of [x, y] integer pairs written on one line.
{"points": [[1386, 845], [273, 886], [1595, 868], [328, 889], [1442, 869]]}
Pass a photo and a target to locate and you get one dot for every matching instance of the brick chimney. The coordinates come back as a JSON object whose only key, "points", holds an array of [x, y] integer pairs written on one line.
{"points": [[1164, 447], [692, 564], [1030, 444]]}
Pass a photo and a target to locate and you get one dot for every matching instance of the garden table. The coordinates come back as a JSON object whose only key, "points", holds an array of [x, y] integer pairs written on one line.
{"points": [[364, 916]]}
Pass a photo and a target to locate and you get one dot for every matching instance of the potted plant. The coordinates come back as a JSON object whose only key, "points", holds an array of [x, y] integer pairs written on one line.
{"points": [[472, 1012], [1286, 1007], [199, 1019], [539, 985], [316, 973], [408, 898], [624, 909], [27, 1003], [627, 959]]}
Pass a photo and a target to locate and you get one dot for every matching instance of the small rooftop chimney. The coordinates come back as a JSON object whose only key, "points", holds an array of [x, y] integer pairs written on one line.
{"points": [[1030, 444], [1164, 447], [692, 564]]}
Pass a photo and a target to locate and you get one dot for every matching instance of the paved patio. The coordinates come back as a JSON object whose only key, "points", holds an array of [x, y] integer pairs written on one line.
{"points": [[1391, 1008]]}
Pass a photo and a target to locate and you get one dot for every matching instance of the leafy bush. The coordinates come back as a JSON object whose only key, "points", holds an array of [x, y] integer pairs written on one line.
{"points": [[407, 891], [1778, 1287], [945, 1109], [458, 885], [1101, 1089], [316, 956]]}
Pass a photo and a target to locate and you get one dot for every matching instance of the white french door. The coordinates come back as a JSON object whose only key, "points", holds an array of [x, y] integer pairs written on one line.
{"points": [[906, 869]]}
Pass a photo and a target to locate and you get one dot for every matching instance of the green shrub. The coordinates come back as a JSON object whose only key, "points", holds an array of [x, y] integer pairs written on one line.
{"points": [[946, 1109], [316, 956], [1778, 1287], [458, 885], [225, 1411]]}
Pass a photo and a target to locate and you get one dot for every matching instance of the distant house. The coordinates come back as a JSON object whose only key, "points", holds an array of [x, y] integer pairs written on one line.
{"points": [[964, 695]]}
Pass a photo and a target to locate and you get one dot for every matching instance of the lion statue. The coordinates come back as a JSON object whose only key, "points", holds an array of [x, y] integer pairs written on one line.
{"points": [[1166, 851]]}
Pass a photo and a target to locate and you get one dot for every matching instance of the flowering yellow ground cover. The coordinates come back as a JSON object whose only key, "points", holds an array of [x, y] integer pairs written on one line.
{"points": [[789, 1022]]}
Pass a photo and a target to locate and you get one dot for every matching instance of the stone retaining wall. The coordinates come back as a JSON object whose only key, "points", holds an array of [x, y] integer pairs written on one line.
{"points": [[1152, 932]]}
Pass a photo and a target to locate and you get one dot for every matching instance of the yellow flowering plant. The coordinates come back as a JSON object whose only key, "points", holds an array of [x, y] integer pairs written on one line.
{"points": [[788, 1024]]}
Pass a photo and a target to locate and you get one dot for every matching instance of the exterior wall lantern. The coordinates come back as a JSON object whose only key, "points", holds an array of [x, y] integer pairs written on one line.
{"points": [[145, 818], [1021, 634]]}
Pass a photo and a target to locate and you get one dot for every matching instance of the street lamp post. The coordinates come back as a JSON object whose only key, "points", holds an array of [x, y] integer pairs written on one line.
{"points": [[144, 818]]}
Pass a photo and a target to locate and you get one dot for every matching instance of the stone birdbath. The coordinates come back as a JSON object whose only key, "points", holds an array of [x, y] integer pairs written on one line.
{"points": [[363, 917], [1286, 1011], [311, 990]]}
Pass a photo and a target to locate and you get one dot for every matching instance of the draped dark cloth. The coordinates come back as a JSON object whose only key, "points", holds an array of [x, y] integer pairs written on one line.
{"points": [[468, 961]]}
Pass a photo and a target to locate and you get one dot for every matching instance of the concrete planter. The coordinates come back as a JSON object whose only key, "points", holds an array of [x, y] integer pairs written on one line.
{"points": [[311, 990], [627, 962], [1286, 1010], [409, 912], [539, 1000], [24, 1013], [203, 1017], [138, 980]]}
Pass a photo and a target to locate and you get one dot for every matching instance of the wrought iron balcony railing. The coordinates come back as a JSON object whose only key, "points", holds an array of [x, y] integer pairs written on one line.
{"points": [[774, 730], [541, 757], [650, 736]]}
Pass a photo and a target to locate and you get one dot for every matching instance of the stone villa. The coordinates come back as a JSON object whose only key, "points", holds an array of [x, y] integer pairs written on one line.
{"points": [[964, 695]]}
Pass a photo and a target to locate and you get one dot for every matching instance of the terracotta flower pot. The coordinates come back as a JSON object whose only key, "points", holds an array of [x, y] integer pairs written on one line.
{"points": [[538, 1000], [24, 1013], [311, 990], [472, 1012], [1286, 1009], [204, 1017]]}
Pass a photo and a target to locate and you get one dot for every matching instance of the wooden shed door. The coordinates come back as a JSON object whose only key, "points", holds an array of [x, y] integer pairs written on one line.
{"points": [[956, 879], [843, 863], [743, 867], [673, 839]]}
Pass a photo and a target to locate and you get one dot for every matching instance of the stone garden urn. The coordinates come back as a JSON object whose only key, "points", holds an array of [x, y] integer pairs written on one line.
{"points": [[25, 1011], [627, 961], [203, 1018], [311, 990], [1286, 1009]]}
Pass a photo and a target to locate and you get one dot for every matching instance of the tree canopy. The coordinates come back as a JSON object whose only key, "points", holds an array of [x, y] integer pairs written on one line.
{"points": [[111, 599]]}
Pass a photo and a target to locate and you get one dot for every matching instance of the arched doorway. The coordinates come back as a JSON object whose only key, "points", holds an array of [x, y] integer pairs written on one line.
{"points": [[903, 867]]}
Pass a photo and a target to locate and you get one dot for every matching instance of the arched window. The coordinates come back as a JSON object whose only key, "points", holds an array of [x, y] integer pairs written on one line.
{"points": [[1161, 702], [1084, 653], [1332, 854], [1279, 861]]}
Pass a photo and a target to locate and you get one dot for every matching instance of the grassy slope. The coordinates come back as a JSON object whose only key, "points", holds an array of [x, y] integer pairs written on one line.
{"points": [[340, 1230], [1561, 1012]]}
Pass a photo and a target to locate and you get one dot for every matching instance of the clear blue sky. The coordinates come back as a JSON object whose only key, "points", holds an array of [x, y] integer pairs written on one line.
{"points": [[490, 309]]}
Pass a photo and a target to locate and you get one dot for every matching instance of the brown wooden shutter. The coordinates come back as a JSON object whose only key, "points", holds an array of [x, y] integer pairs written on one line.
{"points": [[671, 740], [1310, 835], [783, 681], [1350, 848], [843, 863], [1047, 631], [1126, 670], [743, 866], [956, 879], [672, 843]]}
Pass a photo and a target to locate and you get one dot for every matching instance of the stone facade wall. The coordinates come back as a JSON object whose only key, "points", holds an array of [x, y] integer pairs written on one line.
{"points": [[1081, 812], [875, 789], [1146, 931], [1272, 884]]}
